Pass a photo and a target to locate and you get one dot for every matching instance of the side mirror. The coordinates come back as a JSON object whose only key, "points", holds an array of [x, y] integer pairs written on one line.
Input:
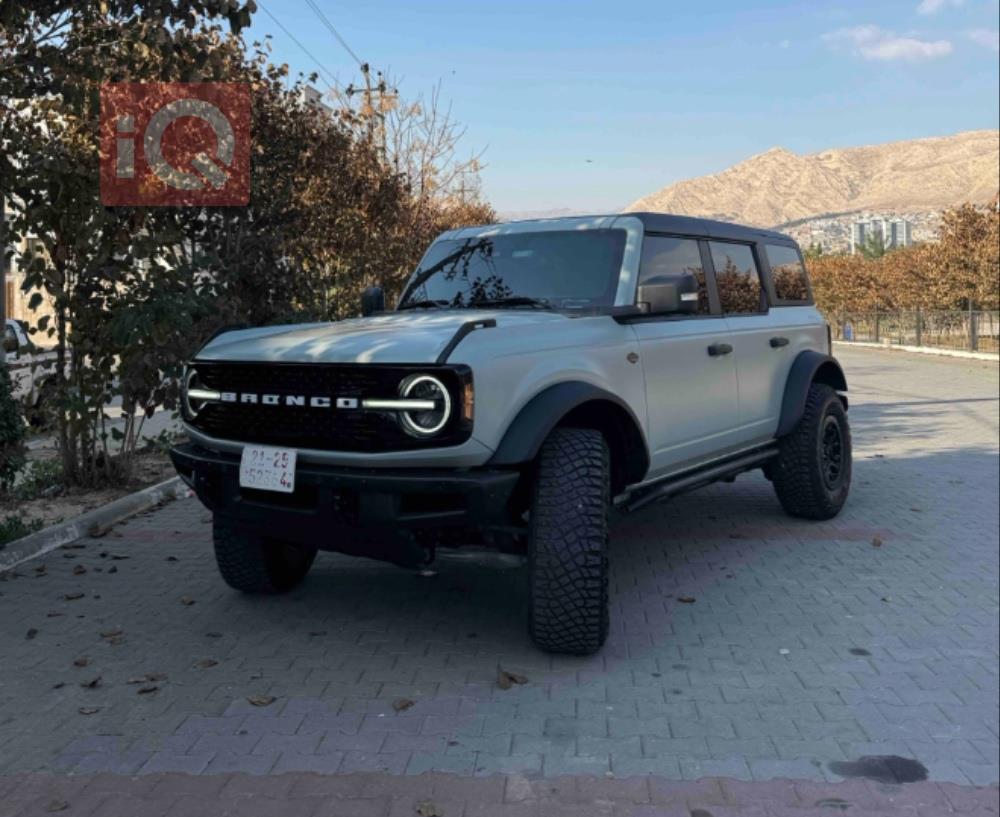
{"points": [[372, 301], [669, 294]]}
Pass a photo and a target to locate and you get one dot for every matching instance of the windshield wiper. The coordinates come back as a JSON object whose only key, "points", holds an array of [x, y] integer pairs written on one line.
{"points": [[426, 303], [513, 300]]}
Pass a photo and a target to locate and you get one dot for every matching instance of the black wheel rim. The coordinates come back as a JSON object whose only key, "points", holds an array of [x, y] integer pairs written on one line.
{"points": [[831, 453]]}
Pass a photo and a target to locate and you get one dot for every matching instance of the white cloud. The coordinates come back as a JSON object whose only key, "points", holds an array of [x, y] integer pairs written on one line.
{"points": [[934, 6], [874, 43], [986, 37], [784, 44]]}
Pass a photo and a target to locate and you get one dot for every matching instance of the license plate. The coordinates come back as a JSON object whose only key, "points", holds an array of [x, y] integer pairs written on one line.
{"points": [[268, 469]]}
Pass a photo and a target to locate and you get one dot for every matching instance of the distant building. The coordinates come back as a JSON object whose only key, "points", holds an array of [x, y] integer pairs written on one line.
{"points": [[893, 233], [314, 99]]}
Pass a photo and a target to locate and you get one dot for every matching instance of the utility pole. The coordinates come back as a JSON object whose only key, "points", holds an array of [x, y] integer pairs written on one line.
{"points": [[375, 93]]}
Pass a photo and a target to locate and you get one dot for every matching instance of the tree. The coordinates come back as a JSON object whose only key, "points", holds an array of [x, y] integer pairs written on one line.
{"points": [[136, 290]]}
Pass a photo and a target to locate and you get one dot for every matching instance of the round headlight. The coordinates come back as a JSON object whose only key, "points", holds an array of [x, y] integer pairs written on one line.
{"points": [[191, 381], [425, 387]]}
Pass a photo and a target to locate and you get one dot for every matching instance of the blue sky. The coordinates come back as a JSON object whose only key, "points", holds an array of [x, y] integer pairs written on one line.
{"points": [[653, 92]]}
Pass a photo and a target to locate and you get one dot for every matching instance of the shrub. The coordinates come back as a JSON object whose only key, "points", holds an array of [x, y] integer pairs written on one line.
{"points": [[11, 431]]}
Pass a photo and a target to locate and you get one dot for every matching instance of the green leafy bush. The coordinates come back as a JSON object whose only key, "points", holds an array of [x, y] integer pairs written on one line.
{"points": [[14, 527], [11, 431]]}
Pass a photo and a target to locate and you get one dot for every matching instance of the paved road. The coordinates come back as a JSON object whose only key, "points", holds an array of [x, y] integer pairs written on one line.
{"points": [[809, 647]]}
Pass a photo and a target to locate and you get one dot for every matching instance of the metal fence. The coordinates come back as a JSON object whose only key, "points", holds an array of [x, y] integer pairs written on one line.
{"points": [[966, 330]]}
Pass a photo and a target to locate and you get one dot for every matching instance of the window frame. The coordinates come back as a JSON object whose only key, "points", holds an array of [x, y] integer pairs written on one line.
{"points": [[714, 309], [772, 293], [763, 277]]}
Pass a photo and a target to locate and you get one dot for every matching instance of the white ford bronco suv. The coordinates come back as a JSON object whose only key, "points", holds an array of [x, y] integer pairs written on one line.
{"points": [[533, 376]]}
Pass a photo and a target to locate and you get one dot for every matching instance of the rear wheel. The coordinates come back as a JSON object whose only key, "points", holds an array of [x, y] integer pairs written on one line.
{"points": [[258, 564], [812, 473], [568, 543]]}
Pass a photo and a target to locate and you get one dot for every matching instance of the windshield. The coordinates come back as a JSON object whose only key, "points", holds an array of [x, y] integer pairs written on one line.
{"points": [[558, 269]]}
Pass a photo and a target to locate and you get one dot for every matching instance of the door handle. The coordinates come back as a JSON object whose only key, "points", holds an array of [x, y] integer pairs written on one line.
{"points": [[777, 343], [718, 349]]}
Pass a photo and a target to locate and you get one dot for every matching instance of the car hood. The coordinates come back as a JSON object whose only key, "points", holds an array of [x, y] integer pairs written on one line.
{"points": [[395, 337]]}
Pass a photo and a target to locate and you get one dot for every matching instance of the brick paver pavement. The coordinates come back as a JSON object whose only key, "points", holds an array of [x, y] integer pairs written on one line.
{"points": [[127, 664]]}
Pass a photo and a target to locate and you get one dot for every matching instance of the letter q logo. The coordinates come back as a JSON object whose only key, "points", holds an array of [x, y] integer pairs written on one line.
{"points": [[175, 144]]}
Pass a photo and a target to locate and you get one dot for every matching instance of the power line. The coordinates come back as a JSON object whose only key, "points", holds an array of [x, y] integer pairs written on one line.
{"points": [[331, 80], [323, 19]]}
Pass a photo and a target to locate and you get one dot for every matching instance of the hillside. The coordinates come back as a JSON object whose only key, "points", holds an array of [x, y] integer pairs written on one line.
{"points": [[778, 186]]}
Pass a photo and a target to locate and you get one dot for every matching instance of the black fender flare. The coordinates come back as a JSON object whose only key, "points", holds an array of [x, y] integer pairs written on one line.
{"points": [[809, 367], [543, 412]]}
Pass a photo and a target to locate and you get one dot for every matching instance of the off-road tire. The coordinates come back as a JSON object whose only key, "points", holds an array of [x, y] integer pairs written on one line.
{"points": [[799, 472], [258, 564], [568, 543]]}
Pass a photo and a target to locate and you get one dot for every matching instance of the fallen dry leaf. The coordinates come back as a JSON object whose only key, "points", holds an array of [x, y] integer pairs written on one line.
{"points": [[187, 601], [425, 808], [171, 558], [118, 557], [79, 570], [89, 710], [877, 541], [113, 569], [82, 661], [73, 596], [28, 636], [93, 683], [59, 685], [41, 570], [54, 615], [205, 663], [148, 678], [113, 633], [261, 700], [57, 805], [96, 531], [686, 599], [917, 510], [146, 690], [213, 635], [402, 704], [505, 680]]}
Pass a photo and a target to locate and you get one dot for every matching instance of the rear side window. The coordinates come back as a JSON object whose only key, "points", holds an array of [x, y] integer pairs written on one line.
{"points": [[787, 273], [737, 278], [667, 256]]}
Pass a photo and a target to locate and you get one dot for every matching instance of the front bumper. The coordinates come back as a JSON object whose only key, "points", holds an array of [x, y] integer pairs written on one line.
{"points": [[331, 502]]}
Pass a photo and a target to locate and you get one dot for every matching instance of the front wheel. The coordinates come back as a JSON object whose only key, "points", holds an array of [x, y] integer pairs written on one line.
{"points": [[258, 564], [812, 472], [568, 543]]}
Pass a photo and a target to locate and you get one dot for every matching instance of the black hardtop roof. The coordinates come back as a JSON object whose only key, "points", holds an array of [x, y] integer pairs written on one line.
{"points": [[689, 225]]}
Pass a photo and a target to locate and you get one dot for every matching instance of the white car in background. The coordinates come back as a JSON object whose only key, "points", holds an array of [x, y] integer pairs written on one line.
{"points": [[30, 367]]}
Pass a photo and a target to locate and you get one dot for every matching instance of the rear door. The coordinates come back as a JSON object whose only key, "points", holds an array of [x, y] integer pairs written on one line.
{"points": [[759, 354], [691, 400]]}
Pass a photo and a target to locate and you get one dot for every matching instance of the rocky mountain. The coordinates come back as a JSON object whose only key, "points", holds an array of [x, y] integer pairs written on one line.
{"points": [[779, 186]]}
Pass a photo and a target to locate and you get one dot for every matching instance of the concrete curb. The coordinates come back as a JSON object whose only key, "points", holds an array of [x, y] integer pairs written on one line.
{"points": [[44, 541], [920, 350]]}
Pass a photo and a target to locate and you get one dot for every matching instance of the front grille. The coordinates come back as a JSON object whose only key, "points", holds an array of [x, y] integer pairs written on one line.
{"points": [[330, 429]]}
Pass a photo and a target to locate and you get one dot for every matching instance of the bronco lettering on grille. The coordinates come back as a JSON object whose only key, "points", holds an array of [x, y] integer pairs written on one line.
{"points": [[293, 400]]}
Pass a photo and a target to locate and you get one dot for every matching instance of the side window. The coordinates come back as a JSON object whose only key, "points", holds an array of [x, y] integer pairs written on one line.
{"points": [[9, 338], [667, 256], [737, 278], [787, 273]]}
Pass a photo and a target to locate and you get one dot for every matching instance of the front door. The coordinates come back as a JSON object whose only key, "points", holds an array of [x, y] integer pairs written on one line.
{"points": [[691, 397]]}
